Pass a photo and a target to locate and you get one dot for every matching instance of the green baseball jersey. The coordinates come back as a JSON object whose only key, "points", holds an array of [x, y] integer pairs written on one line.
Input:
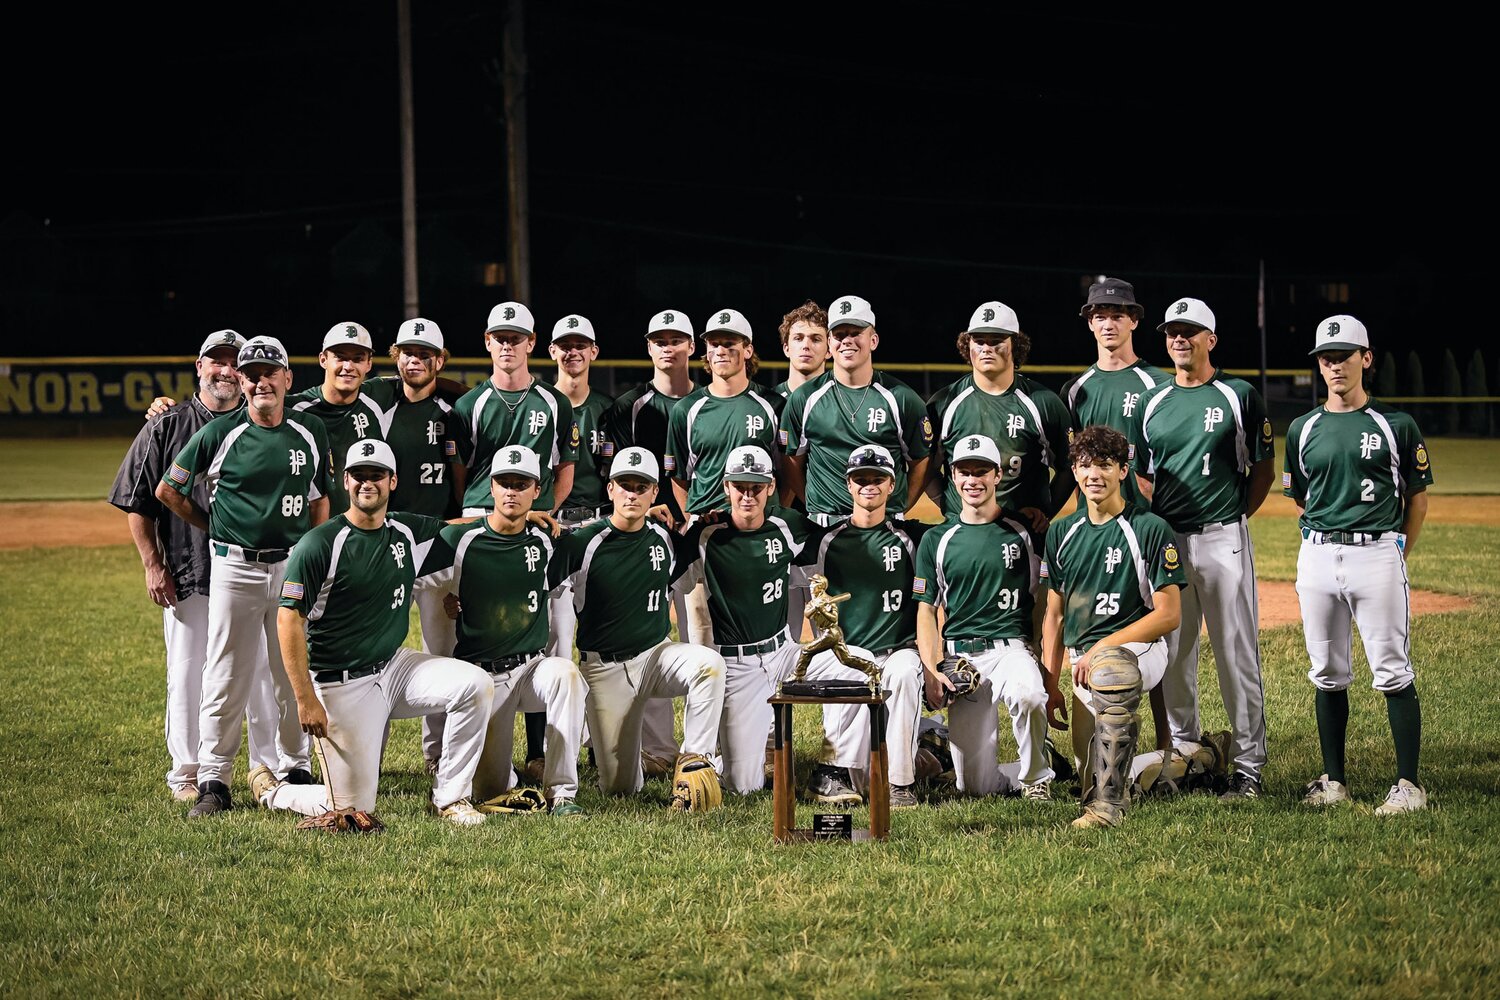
{"points": [[621, 583], [261, 480], [703, 429], [638, 419], [748, 574], [595, 451], [1111, 399], [1108, 574], [1200, 444], [501, 583], [1352, 471], [541, 418], [824, 421], [422, 434], [1029, 425], [345, 423], [875, 567], [981, 575], [355, 587]]}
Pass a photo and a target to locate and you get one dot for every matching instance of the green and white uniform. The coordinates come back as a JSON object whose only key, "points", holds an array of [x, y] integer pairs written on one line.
{"points": [[594, 453], [345, 423], [983, 576], [825, 421], [425, 439], [621, 582], [703, 429], [1029, 425], [1200, 444], [501, 583], [539, 417], [261, 485], [638, 419], [354, 586], [1353, 473], [1111, 399]]}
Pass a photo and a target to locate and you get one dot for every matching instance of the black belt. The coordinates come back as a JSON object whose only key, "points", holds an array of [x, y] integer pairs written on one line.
{"points": [[1342, 537], [505, 664], [615, 656], [1210, 524], [250, 555], [771, 645], [340, 676], [577, 514], [979, 645]]}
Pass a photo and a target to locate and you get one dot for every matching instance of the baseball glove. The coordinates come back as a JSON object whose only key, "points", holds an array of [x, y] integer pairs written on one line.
{"points": [[961, 674], [343, 821], [517, 800], [695, 785], [934, 760]]}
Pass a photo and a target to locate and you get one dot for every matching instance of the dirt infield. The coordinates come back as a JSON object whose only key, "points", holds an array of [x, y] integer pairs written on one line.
{"points": [[94, 522]]}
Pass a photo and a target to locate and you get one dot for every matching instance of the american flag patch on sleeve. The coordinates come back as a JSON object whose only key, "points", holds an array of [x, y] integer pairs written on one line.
{"points": [[669, 463], [450, 448], [781, 438], [178, 474], [1286, 480], [291, 590], [918, 585], [1045, 573]]}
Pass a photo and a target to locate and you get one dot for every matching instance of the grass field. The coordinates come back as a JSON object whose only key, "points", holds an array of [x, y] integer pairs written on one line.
{"points": [[104, 887]]}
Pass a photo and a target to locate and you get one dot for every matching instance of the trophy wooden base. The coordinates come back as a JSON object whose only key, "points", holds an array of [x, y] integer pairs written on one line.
{"points": [[784, 791]]}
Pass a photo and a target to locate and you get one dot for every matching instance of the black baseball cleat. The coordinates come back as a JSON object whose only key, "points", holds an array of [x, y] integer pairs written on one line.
{"points": [[299, 776], [213, 797], [1241, 786]]}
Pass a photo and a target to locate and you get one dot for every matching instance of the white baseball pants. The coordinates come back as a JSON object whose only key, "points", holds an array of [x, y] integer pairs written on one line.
{"points": [[1011, 677], [548, 684], [1340, 584]]}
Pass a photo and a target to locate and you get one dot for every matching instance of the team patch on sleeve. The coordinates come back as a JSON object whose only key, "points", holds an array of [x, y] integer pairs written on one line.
{"points": [[179, 475], [450, 448], [573, 438], [1265, 431], [292, 591], [1286, 480], [918, 586], [927, 429], [1169, 557], [1422, 462]]}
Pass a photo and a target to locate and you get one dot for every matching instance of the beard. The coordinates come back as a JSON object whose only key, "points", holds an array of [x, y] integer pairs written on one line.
{"points": [[221, 391]]}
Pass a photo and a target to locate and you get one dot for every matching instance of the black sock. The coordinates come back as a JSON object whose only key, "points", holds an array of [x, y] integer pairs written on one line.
{"points": [[1333, 725], [536, 734], [1405, 712]]}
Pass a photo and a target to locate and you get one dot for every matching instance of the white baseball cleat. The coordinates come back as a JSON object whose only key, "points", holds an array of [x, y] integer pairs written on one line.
{"points": [[263, 782], [185, 792], [461, 813], [1037, 791], [1404, 797], [1325, 792]]}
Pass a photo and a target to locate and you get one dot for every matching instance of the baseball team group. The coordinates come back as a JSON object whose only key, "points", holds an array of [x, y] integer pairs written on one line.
{"points": [[548, 536]]}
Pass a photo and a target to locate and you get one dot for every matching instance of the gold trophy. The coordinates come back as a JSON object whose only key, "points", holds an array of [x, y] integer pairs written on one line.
{"points": [[823, 611]]}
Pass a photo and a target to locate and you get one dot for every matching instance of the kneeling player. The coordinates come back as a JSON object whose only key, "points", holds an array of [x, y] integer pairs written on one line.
{"points": [[1115, 573], [498, 569], [345, 609], [981, 569]]}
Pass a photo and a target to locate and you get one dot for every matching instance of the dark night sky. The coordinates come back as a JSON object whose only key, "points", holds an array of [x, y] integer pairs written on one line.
{"points": [[928, 159]]}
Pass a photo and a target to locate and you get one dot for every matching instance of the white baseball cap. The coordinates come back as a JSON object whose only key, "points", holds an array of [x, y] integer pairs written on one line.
{"points": [[871, 458], [635, 462], [221, 338], [670, 319], [1192, 311], [372, 454], [511, 316], [975, 448], [348, 333], [748, 463], [1341, 333], [994, 317], [420, 332], [728, 321], [516, 459], [262, 351], [850, 310], [573, 325]]}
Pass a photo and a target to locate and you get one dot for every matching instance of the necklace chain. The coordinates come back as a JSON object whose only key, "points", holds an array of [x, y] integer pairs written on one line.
{"points": [[504, 398], [849, 411]]}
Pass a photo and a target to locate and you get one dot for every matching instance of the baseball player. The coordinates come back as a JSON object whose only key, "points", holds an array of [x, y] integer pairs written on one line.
{"points": [[831, 415], [1359, 471], [497, 567], [574, 348], [345, 611], [266, 469], [872, 558], [981, 569], [804, 341], [513, 407], [1209, 457], [1115, 577], [745, 559], [621, 569], [175, 556], [348, 414], [707, 426], [1026, 419], [1109, 392]]}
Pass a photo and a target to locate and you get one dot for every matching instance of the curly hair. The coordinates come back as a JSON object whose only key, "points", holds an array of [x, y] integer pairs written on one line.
{"points": [[808, 312], [1098, 443], [1020, 348], [752, 364], [396, 353]]}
